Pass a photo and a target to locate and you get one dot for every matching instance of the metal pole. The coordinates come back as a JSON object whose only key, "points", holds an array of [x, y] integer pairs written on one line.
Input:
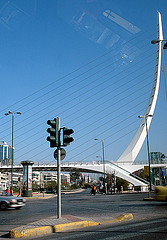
{"points": [[104, 171], [58, 171], [115, 182], [148, 151], [11, 188]]}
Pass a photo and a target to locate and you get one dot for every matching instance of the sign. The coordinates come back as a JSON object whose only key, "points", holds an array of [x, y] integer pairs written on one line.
{"points": [[62, 153], [146, 170], [24, 177]]}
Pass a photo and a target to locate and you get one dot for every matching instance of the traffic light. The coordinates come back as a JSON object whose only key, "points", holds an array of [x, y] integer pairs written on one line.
{"points": [[53, 138], [67, 139]]}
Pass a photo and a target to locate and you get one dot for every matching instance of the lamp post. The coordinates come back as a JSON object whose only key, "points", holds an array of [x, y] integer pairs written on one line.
{"points": [[6, 114], [148, 151], [157, 41], [104, 171]]}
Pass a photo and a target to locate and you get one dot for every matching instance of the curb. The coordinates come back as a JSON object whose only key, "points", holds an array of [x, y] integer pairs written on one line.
{"points": [[40, 197], [54, 195], [124, 217], [27, 232]]}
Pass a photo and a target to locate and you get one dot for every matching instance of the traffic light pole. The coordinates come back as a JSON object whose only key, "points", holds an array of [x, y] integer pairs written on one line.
{"points": [[58, 170], [60, 153]]}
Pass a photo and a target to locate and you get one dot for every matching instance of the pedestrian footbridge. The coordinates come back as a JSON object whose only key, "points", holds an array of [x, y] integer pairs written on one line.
{"points": [[122, 170]]}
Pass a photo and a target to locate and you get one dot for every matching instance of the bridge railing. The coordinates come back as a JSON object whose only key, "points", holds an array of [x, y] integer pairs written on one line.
{"points": [[90, 163]]}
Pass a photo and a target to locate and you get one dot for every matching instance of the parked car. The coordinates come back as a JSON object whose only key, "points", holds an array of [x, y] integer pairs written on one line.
{"points": [[7, 201], [50, 192], [161, 193]]}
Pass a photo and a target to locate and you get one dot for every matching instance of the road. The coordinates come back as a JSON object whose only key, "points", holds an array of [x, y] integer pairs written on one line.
{"points": [[82, 204]]}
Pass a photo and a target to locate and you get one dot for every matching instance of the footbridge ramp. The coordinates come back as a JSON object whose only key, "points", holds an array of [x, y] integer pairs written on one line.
{"points": [[110, 168]]}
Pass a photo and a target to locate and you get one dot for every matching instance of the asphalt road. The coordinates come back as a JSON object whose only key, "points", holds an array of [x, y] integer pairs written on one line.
{"points": [[82, 204]]}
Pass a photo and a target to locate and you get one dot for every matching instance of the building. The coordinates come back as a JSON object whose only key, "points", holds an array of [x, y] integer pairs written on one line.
{"points": [[42, 177], [5, 154], [65, 178], [4, 181], [5, 159], [50, 176]]}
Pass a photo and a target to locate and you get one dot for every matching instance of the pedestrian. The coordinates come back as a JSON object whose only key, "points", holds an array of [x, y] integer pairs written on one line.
{"points": [[7, 191], [93, 191], [19, 192]]}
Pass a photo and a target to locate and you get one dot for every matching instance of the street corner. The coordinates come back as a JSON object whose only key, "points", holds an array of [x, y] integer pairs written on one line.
{"points": [[23, 232], [29, 232], [74, 225]]}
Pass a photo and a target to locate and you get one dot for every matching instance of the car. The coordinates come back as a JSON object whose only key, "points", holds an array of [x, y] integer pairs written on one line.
{"points": [[7, 201], [50, 192], [161, 193]]}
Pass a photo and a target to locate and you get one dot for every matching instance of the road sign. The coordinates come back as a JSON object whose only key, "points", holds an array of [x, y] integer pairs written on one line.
{"points": [[62, 153], [146, 170]]}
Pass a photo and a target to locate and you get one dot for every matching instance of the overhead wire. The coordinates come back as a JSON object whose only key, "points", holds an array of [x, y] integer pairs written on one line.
{"points": [[122, 106], [96, 128], [88, 90], [72, 72], [108, 99], [67, 109]]}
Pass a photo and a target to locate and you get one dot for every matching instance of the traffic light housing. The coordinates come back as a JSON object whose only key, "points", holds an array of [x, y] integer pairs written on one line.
{"points": [[53, 138], [67, 139]]}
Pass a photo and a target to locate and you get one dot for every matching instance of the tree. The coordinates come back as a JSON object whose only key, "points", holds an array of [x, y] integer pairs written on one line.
{"points": [[51, 185], [121, 182]]}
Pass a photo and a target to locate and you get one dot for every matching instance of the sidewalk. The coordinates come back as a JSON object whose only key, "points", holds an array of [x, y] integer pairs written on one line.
{"points": [[66, 223], [46, 195]]}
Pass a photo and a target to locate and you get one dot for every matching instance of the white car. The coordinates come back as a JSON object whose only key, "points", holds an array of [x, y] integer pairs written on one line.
{"points": [[7, 201]]}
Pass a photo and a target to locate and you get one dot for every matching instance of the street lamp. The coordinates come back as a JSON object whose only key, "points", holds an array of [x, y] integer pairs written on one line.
{"points": [[104, 172], [157, 41], [148, 152], [6, 114]]}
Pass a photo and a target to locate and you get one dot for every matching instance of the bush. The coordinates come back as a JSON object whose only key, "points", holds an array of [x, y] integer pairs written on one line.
{"points": [[74, 186]]}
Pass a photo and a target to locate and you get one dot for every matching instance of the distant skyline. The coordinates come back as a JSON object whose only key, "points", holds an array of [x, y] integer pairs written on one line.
{"points": [[89, 62]]}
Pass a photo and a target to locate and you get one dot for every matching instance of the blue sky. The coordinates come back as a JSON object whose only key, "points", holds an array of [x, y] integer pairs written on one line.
{"points": [[68, 59]]}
